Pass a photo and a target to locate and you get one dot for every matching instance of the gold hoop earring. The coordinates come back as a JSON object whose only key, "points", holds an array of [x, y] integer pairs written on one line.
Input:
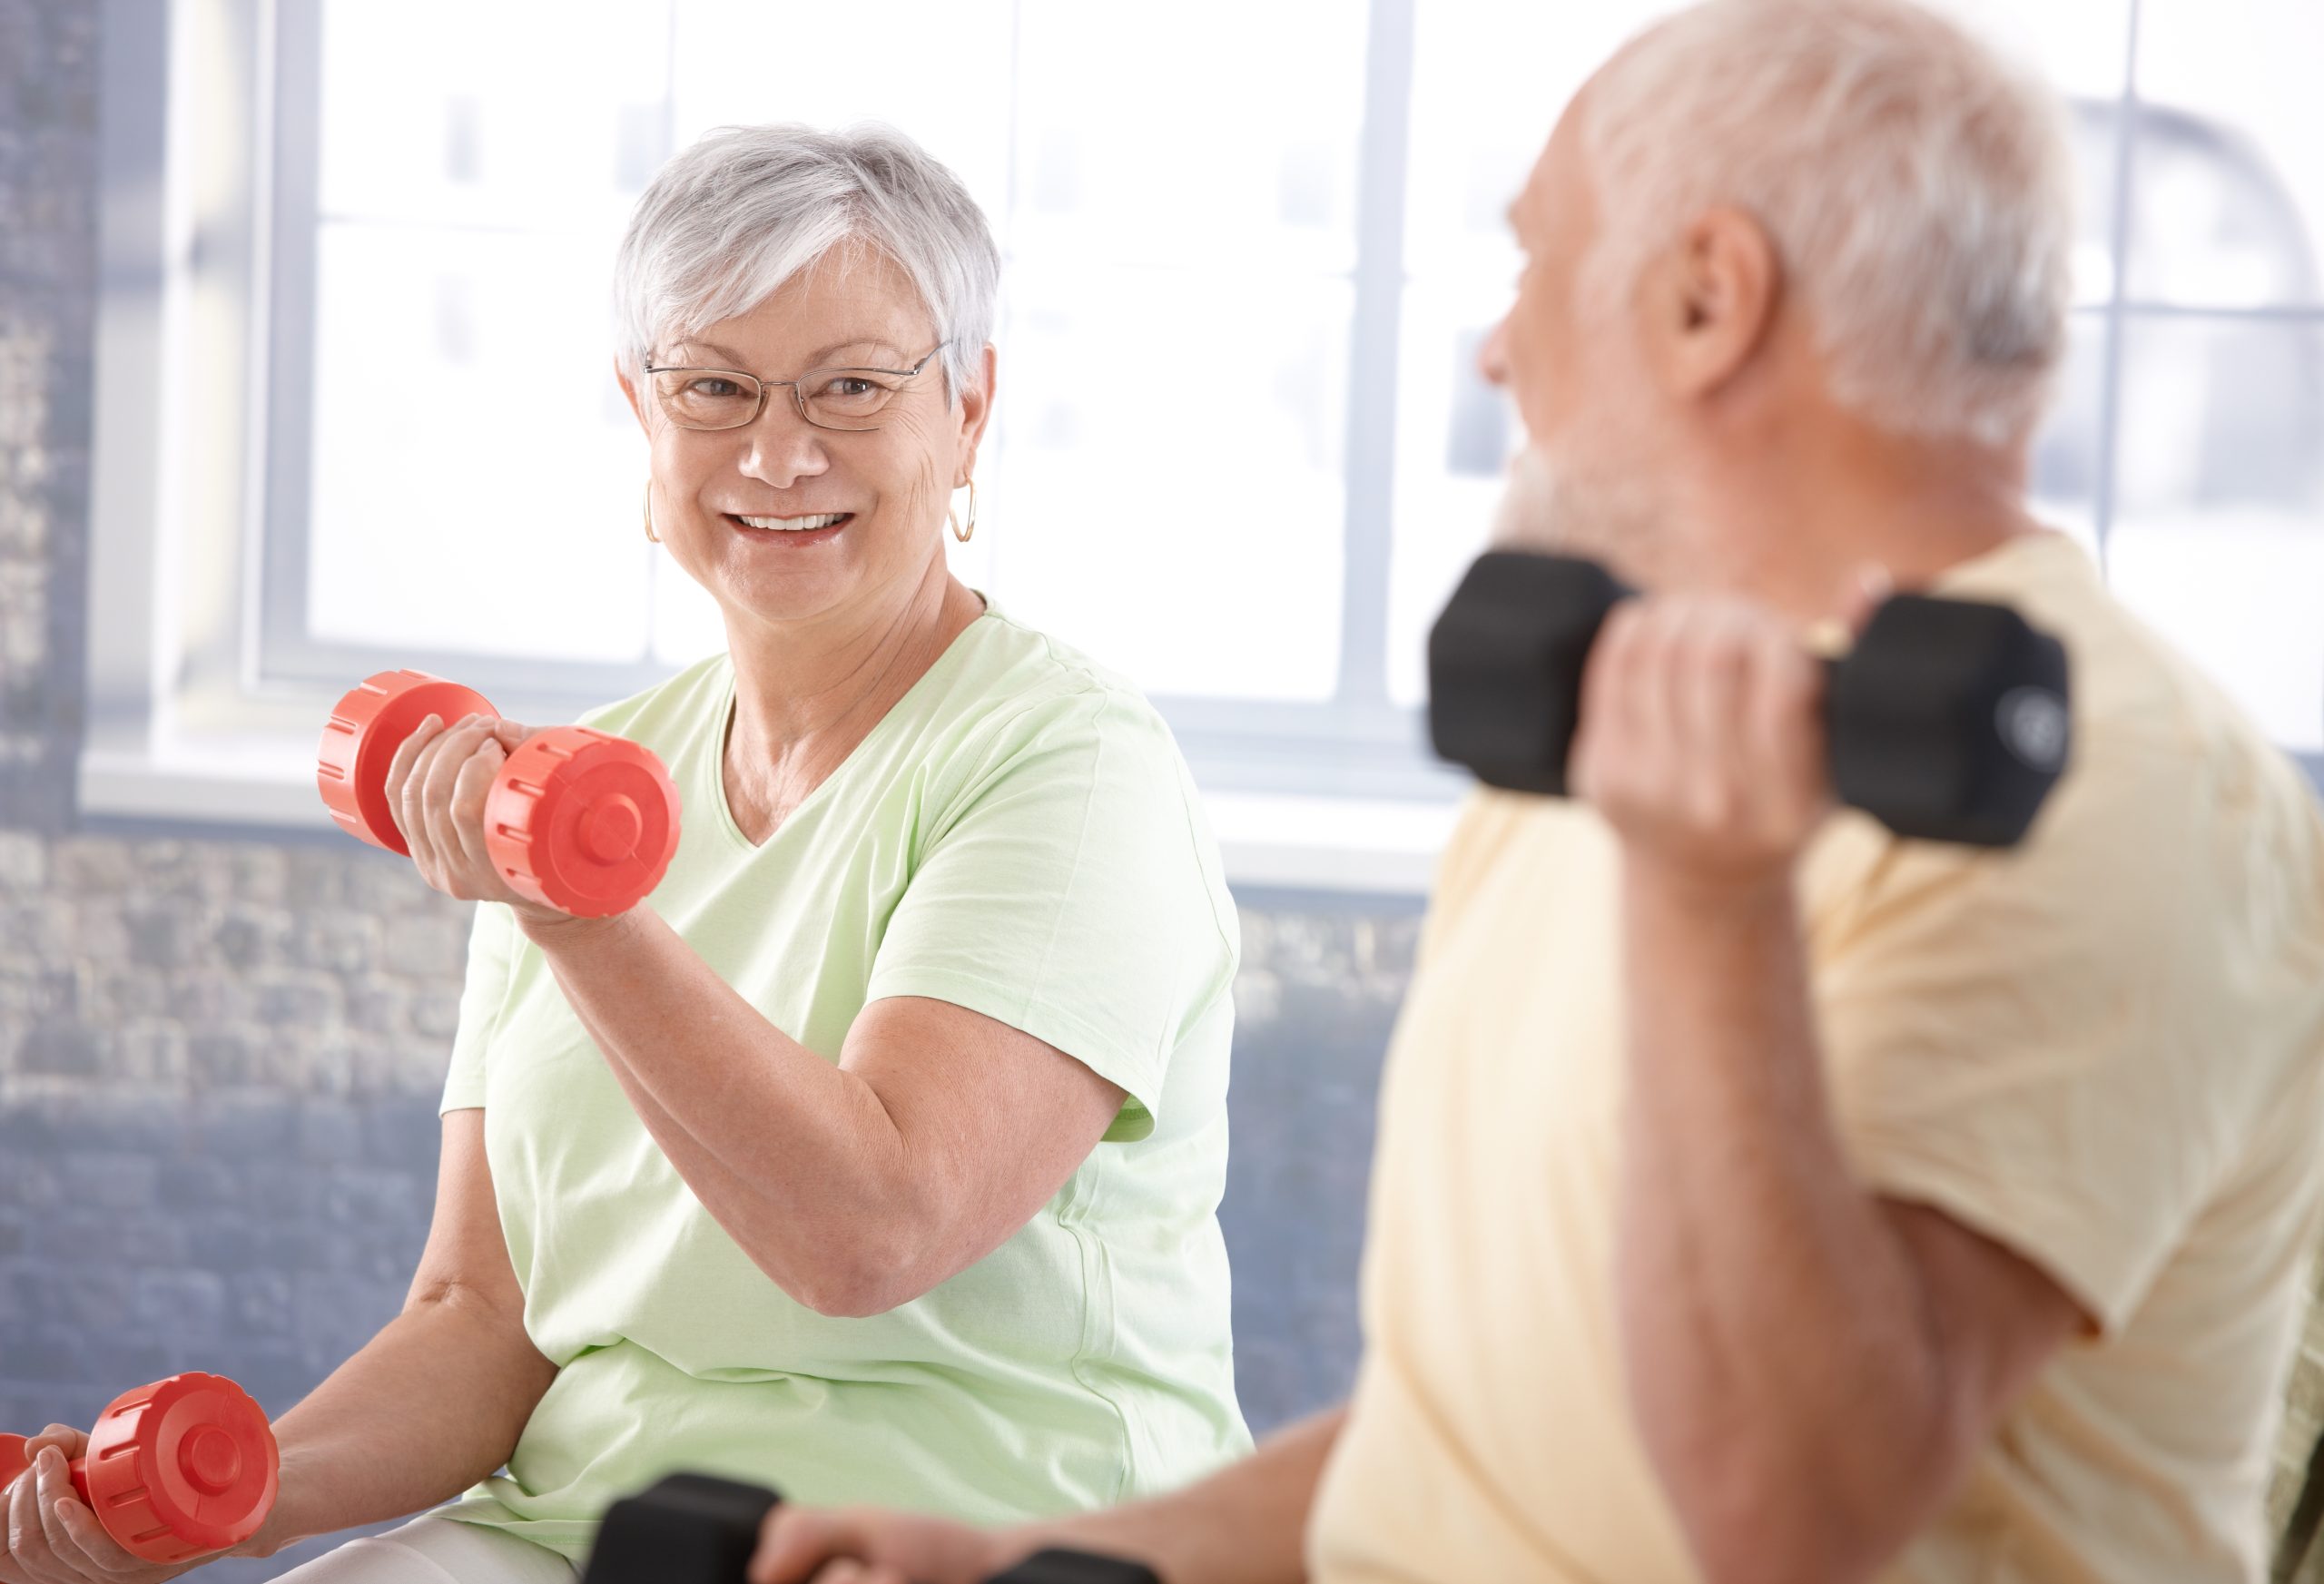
{"points": [[960, 533], [650, 534]]}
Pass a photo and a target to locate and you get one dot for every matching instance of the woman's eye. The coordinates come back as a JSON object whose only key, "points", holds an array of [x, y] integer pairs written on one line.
{"points": [[714, 389], [848, 385]]}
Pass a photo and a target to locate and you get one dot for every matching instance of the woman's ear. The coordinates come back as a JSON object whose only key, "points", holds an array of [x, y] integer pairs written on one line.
{"points": [[976, 412], [629, 389]]}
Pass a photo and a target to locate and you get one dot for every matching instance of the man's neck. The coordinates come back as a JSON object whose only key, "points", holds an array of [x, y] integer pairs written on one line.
{"points": [[1797, 524]]}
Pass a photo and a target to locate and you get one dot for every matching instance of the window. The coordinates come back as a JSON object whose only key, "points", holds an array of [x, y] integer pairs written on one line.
{"points": [[1241, 451]]}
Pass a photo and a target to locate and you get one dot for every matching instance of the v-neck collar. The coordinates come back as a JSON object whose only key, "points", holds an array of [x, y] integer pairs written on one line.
{"points": [[714, 774]]}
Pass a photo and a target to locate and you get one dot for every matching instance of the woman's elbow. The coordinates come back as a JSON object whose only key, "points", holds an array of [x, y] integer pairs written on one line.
{"points": [[855, 1281]]}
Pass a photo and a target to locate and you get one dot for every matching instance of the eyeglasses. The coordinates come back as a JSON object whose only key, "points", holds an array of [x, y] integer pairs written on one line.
{"points": [[828, 399]]}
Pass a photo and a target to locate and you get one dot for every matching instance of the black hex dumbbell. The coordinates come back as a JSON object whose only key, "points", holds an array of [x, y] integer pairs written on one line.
{"points": [[695, 1529], [1948, 719]]}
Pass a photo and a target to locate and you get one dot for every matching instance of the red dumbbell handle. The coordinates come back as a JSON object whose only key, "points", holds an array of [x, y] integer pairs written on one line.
{"points": [[577, 819], [14, 1461], [361, 737]]}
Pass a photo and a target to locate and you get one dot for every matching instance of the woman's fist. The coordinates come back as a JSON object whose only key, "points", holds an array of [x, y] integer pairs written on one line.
{"points": [[437, 786], [52, 1538]]}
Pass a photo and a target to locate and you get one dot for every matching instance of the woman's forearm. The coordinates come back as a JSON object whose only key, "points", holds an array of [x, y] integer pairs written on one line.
{"points": [[430, 1405], [794, 1156]]}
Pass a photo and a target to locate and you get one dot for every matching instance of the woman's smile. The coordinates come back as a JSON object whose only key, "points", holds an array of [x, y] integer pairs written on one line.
{"points": [[819, 529]]}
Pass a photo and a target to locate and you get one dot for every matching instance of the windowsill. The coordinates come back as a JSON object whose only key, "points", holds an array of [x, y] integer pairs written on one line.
{"points": [[1287, 841], [1276, 840]]}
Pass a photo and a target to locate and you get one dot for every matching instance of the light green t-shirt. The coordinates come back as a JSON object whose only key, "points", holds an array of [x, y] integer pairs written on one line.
{"points": [[1018, 836]]}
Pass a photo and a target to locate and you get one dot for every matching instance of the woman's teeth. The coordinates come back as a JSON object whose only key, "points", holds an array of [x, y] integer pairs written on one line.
{"points": [[792, 524]]}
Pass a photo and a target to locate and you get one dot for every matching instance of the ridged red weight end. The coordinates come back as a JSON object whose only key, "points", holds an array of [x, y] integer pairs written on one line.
{"points": [[582, 820], [361, 738], [182, 1468]]}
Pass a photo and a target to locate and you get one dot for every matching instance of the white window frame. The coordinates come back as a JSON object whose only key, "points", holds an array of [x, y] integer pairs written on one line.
{"points": [[205, 694]]}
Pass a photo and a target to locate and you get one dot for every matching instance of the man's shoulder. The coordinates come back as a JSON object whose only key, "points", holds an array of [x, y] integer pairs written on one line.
{"points": [[2142, 707], [2181, 852]]}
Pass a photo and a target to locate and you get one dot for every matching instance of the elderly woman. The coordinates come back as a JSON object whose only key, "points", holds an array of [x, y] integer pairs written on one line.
{"points": [[876, 1156]]}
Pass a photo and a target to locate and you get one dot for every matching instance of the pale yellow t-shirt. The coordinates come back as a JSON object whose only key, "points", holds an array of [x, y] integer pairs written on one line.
{"points": [[2103, 1050]]}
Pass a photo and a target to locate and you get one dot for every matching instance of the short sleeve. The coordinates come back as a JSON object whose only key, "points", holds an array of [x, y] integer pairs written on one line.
{"points": [[2043, 1043], [1071, 891], [483, 993]]}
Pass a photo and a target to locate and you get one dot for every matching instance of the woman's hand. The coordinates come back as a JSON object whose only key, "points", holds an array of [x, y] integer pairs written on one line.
{"points": [[437, 784], [863, 1545], [52, 1536]]}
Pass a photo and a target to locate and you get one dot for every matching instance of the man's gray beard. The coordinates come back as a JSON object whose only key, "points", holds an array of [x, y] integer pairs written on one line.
{"points": [[1600, 514]]}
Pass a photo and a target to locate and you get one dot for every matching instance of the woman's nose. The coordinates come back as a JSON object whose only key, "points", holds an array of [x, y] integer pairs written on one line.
{"points": [[785, 448]]}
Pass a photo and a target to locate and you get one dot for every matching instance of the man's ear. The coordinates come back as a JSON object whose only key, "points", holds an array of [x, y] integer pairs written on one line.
{"points": [[1711, 305], [976, 412]]}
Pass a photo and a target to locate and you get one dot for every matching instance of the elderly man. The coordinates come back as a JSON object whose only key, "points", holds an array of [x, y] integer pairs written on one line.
{"points": [[1760, 1196]]}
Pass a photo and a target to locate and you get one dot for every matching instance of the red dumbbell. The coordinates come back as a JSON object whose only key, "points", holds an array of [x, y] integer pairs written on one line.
{"points": [[179, 1469], [577, 819]]}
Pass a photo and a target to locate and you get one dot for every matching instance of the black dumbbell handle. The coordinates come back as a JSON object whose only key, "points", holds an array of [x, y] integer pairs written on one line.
{"points": [[1948, 721], [1057, 1567], [696, 1528]]}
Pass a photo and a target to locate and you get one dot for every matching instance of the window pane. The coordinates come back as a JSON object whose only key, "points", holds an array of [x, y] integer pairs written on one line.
{"points": [[1168, 494], [2219, 537], [477, 474], [1490, 82], [2062, 489], [2080, 47], [2229, 164], [471, 455], [938, 70], [1143, 138], [1454, 436], [541, 113]]}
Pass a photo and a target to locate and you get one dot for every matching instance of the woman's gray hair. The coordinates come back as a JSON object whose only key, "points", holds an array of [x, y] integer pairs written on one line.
{"points": [[1918, 190], [746, 208]]}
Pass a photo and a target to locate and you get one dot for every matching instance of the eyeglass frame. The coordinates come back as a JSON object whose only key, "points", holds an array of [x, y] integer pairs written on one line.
{"points": [[798, 397]]}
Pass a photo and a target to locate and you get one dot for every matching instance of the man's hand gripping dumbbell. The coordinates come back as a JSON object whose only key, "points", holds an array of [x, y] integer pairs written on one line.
{"points": [[694, 1529], [1946, 718]]}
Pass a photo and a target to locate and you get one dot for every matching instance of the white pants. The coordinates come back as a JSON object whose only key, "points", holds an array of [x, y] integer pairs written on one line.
{"points": [[437, 1551]]}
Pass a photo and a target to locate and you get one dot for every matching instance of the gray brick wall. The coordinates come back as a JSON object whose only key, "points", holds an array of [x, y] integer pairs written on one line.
{"points": [[220, 1057]]}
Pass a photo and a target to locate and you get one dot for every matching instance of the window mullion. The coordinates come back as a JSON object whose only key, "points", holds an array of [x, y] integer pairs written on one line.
{"points": [[1369, 466]]}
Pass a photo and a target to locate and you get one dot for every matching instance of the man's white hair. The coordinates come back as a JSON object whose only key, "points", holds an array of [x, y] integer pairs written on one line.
{"points": [[1918, 190], [746, 208]]}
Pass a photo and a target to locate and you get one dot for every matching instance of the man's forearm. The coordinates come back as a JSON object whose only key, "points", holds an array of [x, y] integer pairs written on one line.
{"points": [[1245, 1524], [1778, 1346], [430, 1405]]}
